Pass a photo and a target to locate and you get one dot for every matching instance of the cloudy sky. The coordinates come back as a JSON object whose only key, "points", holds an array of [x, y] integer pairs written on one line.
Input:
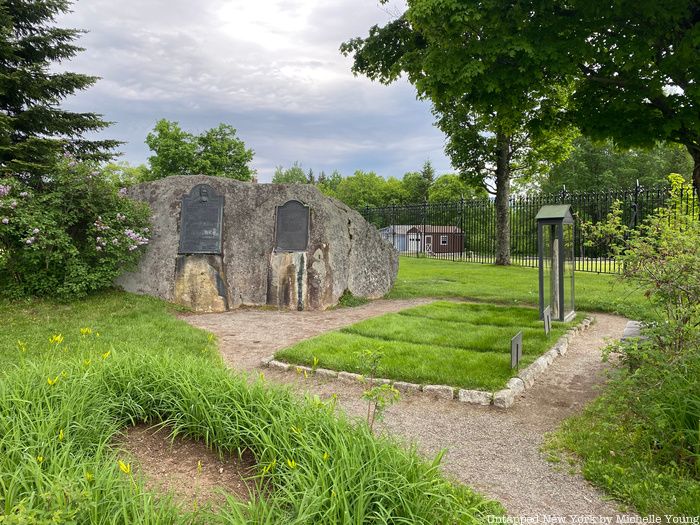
{"points": [[270, 68]]}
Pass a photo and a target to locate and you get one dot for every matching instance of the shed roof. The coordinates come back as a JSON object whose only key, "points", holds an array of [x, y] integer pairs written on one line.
{"points": [[398, 229], [429, 228]]}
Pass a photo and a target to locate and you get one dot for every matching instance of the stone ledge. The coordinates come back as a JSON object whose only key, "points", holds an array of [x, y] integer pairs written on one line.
{"points": [[440, 391], [516, 385], [349, 377], [504, 398], [279, 365], [407, 388], [633, 331], [475, 397]]}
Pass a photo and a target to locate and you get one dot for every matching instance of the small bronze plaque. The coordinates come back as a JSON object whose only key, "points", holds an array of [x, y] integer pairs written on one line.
{"points": [[292, 229], [547, 315], [201, 221], [516, 350]]}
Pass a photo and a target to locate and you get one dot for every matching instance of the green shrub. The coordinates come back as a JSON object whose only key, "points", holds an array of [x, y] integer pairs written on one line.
{"points": [[67, 236], [641, 440], [664, 259], [663, 386]]}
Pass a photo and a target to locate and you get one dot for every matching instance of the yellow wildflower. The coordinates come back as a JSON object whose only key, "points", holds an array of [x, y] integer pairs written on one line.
{"points": [[40, 459], [326, 456], [53, 381], [267, 468], [125, 467], [56, 339], [22, 346], [89, 476], [60, 435], [106, 354], [291, 463], [296, 430], [86, 362], [85, 331]]}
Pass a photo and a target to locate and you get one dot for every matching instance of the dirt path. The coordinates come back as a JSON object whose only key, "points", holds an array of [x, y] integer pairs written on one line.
{"points": [[494, 451], [247, 335]]}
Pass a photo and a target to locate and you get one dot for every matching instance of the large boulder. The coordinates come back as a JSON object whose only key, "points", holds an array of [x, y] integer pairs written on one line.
{"points": [[344, 252]]}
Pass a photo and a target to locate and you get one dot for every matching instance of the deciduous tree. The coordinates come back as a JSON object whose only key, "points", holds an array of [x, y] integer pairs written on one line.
{"points": [[470, 60], [216, 152], [635, 66], [606, 166], [452, 188], [292, 175]]}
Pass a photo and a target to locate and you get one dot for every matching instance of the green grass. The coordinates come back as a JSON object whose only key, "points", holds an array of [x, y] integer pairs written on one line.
{"points": [[458, 344], [421, 277], [348, 300], [618, 451], [62, 403], [133, 323]]}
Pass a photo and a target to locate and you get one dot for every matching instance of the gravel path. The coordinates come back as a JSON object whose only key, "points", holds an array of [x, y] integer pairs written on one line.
{"points": [[495, 451]]}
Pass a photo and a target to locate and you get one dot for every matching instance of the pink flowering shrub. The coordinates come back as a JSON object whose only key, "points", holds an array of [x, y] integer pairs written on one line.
{"points": [[70, 236]]}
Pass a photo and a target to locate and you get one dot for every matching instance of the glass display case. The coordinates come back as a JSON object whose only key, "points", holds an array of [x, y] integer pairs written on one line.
{"points": [[555, 250]]}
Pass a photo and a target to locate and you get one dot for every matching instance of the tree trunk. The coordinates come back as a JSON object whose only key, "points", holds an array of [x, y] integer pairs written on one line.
{"points": [[502, 197], [695, 153]]}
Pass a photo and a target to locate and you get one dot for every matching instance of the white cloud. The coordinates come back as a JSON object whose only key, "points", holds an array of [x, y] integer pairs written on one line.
{"points": [[271, 68]]}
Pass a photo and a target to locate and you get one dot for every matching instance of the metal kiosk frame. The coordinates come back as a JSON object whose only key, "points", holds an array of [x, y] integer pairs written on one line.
{"points": [[552, 221]]}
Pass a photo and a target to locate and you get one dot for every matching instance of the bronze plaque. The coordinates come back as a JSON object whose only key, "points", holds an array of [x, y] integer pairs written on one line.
{"points": [[516, 350], [292, 228], [201, 221]]}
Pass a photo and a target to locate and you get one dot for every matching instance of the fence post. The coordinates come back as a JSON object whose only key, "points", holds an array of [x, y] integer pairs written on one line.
{"points": [[393, 225], [461, 227], [425, 213], [635, 205]]}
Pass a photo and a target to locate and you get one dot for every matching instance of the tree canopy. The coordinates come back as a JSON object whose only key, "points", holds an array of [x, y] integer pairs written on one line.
{"points": [[470, 60], [367, 189], [635, 67], [608, 167], [34, 129], [453, 188], [216, 152], [416, 184], [292, 175]]}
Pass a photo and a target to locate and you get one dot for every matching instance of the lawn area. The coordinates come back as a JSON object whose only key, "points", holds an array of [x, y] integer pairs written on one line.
{"points": [[458, 344], [72, 376], [422, 277], [128, 323]]}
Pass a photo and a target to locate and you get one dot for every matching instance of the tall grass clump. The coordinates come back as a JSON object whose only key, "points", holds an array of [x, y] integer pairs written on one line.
{"points": [[641, 439], [62, 410]]}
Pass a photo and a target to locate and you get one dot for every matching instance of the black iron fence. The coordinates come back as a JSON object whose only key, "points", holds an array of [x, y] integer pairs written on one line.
{"points": [[466, 230]]}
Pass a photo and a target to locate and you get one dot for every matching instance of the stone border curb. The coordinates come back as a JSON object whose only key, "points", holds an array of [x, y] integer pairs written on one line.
{"points": [[504, 398]]}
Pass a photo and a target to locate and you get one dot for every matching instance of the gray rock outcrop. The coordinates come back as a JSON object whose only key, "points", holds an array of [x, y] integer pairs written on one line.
{"points": [[344, 252]]}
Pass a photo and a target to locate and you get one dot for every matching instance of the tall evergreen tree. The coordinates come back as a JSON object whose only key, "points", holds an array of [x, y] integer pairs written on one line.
{"points": [[33, 128]]}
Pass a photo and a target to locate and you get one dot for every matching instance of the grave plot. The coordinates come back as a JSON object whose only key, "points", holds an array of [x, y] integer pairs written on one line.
{"points": [[457, 344]]}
